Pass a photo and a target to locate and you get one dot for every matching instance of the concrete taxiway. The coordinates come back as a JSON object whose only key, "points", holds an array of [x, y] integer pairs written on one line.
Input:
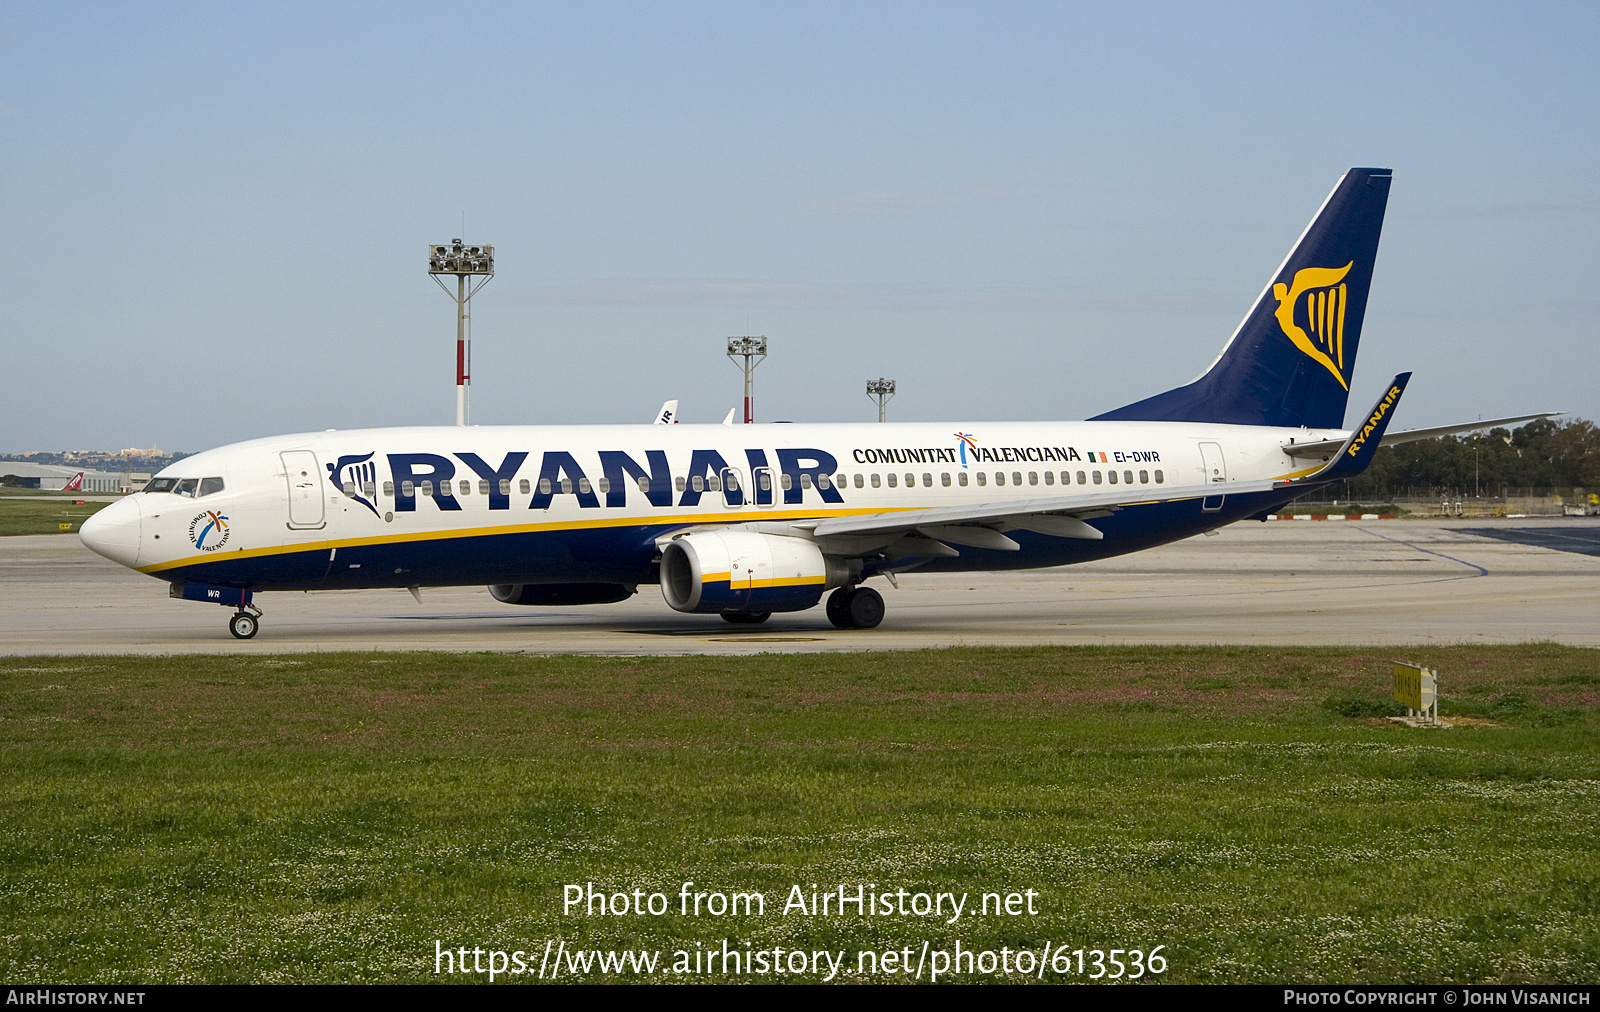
{"points": [[1285, 582]]}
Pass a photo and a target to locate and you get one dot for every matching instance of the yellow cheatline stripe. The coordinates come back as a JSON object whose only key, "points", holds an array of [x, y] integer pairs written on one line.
{"points": [[791, 581], [1299, 474], [480, 532]]}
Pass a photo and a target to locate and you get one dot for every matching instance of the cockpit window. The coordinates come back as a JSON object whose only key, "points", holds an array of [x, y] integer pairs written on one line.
{"points": [[161, 485], [210, 485], [187, 487]]}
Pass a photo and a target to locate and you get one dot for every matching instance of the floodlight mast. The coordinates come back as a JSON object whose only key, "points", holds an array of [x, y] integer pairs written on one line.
{"points": [[882, 391], [748, 348], [464, 261]]}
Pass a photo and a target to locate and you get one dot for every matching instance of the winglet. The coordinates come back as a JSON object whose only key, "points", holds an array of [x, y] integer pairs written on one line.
{"points": [[1356, 453]]}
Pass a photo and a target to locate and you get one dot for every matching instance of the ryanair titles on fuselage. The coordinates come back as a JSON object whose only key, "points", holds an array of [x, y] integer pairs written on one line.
{"points": [[757, 479]]}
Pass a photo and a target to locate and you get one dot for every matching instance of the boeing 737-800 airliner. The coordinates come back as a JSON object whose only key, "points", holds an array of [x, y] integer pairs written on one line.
{"points": [[743, 521]]}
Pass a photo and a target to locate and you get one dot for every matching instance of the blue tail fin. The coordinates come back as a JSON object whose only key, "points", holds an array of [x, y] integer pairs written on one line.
{"points": [[1290, 361]]}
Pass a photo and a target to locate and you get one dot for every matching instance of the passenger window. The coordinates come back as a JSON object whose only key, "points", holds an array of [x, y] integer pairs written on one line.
{"points": [[505, 486], [583, 486], [681, 483], [483, 488], [1144, 477], [1066, 477], [407, 489], [714, 483], [209, 486], [187, 486], [1127, 476], [427, 488], [1111, 476], [349, 488], [999, 477], [911, 481], [1049, 477], [927, 480], [466, 487], [823, 481], [1096, 477], [644, 484], [859, 482], [983, 479], [1016, 477], [733, 481], [787, 482], [544, 486], [605, 485], [805, 479], [944, 479], [1033, 477], [875, 481], [1081, 479], [1159, 478], [893, 480], [371, 490], [523, 487], [766, 482], [961, 478]]}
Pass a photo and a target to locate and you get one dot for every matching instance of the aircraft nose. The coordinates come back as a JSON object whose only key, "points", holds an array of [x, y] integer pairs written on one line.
{"points": [[114, 531]]}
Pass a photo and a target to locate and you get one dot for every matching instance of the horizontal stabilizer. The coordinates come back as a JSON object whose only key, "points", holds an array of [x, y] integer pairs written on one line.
{"points": [[1323, 447]]}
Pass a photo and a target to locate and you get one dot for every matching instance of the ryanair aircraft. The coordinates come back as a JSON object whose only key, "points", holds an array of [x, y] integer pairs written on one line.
{"points": [[744, 521]]}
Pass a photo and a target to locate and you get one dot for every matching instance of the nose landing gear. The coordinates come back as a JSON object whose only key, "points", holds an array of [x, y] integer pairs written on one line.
{"points": [[855, 608]]}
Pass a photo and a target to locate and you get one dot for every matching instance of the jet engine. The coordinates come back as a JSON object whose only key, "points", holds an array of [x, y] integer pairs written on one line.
{"points": [[741, 571], [562, 593]]}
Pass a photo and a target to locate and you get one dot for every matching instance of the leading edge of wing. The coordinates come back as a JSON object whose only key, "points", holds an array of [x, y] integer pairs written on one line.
{"points": [[1096, 503]]}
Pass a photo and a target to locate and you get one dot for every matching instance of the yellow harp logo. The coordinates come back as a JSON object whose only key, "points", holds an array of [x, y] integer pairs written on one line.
{"points": [[1320, 293]]}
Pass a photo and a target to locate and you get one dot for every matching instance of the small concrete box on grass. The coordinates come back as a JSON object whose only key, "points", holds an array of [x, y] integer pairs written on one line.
{"points": [[1417, 689]]}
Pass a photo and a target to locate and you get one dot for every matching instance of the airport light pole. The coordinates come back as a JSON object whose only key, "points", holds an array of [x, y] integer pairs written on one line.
{"points": [[752, 350], [882, 391], [473, 267]]}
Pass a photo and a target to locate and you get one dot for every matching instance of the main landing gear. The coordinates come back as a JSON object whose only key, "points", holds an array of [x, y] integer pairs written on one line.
{"points": [[243, 624], [855, 608]]}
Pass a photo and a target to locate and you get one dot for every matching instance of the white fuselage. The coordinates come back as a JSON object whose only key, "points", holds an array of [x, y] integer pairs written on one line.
{"points": [[557, 504]]}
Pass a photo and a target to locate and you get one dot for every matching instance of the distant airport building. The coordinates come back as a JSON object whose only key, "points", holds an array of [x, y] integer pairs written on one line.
{"points": [[21, 474]]}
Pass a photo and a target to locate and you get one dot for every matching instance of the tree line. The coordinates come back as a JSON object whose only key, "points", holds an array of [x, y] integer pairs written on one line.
{"points": [[1543, 456]]}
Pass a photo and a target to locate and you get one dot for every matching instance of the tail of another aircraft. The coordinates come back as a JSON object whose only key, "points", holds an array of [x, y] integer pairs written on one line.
{"points": [[1291, 360], [75, 485]]}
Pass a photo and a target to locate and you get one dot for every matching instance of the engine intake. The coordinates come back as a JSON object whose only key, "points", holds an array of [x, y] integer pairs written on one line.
{"points": [[740, 571]]}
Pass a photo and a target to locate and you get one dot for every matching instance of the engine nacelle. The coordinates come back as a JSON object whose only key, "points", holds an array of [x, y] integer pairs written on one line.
{"points": [[562, 593], [741, 571]]}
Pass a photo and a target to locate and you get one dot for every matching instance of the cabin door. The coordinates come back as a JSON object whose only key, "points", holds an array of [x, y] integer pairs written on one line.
{"points": [[1216, 470], [304, 477]]}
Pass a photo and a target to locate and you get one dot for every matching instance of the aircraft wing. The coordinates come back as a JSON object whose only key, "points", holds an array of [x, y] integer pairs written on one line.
{"points": [[980, 525], [1323, 447]]}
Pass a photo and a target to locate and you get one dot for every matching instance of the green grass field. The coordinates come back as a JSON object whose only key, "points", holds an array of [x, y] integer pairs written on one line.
{"points": [[43, 513], [329, 817]]}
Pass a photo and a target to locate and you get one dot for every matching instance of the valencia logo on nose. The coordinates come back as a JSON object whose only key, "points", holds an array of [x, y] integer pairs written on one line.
{"points": [[209, 531], [1317, 297]]}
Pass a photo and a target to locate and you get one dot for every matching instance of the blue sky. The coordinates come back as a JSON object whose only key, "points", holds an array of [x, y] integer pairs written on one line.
{"points": [[216, 215]]}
